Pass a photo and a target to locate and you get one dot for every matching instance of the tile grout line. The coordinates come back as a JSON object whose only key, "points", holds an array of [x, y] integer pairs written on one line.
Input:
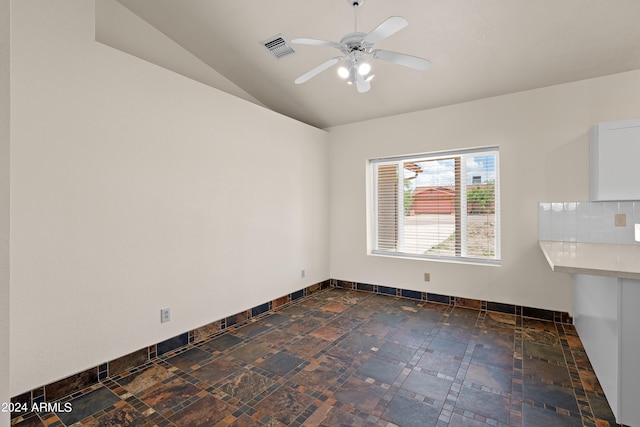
{"points": [[515, 410], [453, 394], [586, 413]]}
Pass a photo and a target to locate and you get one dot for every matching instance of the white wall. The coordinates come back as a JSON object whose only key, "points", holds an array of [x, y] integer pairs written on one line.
{"points": [[4, 206], [543, 140], [134, 188], [118, 27]]}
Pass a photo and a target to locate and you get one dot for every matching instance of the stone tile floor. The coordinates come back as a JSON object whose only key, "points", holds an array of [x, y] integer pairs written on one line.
{"points": [[349, 358]]}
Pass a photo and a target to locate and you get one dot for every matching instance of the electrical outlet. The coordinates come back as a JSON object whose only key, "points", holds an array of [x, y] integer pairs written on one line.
{"points": [[302, 274], [427, 277], [620, 220], [165, 315]]}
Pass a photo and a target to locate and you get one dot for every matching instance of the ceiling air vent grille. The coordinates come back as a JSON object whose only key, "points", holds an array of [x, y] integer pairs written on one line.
{"points": [[278, 46]]}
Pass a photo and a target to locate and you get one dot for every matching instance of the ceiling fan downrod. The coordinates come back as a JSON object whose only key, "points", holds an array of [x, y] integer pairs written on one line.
{"points": [[356, 4]]}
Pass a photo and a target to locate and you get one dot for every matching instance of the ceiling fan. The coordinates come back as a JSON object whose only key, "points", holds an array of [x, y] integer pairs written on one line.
{"points": [[356, 46]]}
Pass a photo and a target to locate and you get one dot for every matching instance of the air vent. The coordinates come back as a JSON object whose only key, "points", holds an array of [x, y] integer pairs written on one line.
{"points": [[278, 46]]}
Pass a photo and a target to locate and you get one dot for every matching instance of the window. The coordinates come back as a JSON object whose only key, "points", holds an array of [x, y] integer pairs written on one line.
{"points": [[437, 206]]}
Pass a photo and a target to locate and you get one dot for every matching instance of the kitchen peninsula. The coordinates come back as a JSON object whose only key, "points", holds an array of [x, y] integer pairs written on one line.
{"points": [[606, 316]]}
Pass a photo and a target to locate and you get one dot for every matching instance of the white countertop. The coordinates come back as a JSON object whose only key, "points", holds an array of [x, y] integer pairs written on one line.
{"points": [[600, 259]]}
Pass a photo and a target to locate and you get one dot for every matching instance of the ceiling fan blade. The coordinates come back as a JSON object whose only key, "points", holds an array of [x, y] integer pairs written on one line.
{"points": [[362, 84], [410, 61], [320, 68], [316, 42], [389, 27]]}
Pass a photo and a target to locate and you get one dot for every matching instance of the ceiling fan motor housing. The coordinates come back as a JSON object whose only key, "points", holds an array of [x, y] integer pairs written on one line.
{"points": [[353, 43]]}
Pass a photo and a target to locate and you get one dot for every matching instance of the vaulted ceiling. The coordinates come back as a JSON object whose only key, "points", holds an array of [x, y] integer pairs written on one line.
{"points": [[478, 49]]}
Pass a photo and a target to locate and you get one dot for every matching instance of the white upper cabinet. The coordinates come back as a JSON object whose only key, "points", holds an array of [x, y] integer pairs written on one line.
{"points": [[614, 161]]}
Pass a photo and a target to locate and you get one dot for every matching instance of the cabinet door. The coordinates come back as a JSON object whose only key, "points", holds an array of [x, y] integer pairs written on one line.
{"points": [[614, 161]]}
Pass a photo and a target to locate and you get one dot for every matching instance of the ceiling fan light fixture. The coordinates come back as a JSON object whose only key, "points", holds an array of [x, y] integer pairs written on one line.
{"points": [[364, 68], [343, 72]]}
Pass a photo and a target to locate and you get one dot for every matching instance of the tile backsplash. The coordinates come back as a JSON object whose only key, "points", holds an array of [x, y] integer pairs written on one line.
{"points": [[588, 222]]}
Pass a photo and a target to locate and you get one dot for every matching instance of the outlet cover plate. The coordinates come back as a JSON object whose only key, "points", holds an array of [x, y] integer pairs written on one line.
{"points": [[165, 315]]}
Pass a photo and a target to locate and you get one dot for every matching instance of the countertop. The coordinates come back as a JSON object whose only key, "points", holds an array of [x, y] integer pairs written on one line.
{"points": [[599, 259]]}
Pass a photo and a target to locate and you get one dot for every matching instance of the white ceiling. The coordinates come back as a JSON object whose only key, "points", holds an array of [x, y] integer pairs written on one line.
{"points": [[478, 48]]}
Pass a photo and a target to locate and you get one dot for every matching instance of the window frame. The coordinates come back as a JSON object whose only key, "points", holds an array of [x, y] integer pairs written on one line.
{"points": [[372, 210]]}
